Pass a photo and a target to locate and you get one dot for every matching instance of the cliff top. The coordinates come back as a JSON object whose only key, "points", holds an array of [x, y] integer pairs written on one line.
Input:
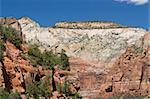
{"points": [[89, 25], [69, 25]]}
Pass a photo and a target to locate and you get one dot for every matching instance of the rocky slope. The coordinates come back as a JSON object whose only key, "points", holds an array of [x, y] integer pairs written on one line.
{"points": [[104, 61]]}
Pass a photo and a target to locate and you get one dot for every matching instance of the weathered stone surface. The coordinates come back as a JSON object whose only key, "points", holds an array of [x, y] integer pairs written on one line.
{"points": [[24, 48], [8, 63], [103, 62], [11, 51], [87, 25], [18, 71], [10, 22], [94, 45]]}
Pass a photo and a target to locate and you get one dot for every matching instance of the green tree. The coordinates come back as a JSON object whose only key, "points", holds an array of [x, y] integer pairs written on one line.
{"points": [[34, 55], [49, 59], [17, 41], [64, 60], [38, 88]]}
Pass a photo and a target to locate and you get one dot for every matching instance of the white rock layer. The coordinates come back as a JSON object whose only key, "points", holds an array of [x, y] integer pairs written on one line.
{"points": [[93, 45]]}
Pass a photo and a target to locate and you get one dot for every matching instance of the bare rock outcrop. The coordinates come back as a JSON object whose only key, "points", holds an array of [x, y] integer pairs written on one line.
{"points": [[98, 46], [10, 22], [88, 25]]}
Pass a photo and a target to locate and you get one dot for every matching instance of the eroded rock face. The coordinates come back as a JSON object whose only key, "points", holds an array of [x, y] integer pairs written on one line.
{"points": [[103, 62], [10, 22], [98, 46], [17, 71], [11, 51]]}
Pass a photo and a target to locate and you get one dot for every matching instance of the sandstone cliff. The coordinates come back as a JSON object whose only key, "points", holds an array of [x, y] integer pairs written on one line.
{"points": [[105, 58]]}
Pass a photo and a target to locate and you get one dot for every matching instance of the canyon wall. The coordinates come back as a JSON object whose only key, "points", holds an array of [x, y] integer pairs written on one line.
{"points": [[103, 61]]}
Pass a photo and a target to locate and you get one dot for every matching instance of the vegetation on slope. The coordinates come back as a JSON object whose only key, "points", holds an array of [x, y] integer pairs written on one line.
{"points": [[11, 35], [39, 88], [48, 58], [9, 95]]}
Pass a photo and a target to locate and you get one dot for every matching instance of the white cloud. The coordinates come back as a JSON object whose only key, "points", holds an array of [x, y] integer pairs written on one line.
{"points": [[136, 2]]}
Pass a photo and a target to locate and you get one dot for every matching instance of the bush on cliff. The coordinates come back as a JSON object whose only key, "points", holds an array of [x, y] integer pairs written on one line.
{"points": [[34, 51], [2, 48], [9, 95], [39, 88], [48, 58], [64, 60], [10, 35], [65, 90], [34, 55]]}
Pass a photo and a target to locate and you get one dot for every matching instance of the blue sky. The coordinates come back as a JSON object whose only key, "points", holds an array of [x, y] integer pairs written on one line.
{"points": [[48, 12]]}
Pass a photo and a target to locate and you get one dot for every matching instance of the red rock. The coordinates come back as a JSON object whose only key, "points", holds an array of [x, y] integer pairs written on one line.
{"points": [[24, 48], [72, 89], [11, 51], [8, 63], [117, 88], [29, 69], [16, 82], [124, 87], [136, 72], [104, 86], [19, 89], [134, 85], [144, 88]]}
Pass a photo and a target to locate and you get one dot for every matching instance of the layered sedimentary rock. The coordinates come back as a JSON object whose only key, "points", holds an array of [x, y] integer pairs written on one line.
{"points": [[88, 25], [100, 47], [104, 61]]}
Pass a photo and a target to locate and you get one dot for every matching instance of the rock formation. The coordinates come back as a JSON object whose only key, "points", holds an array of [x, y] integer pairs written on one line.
{"points": [[105, 58]]}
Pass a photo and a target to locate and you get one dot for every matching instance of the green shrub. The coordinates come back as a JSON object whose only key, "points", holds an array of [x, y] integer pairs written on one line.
{"points": [[38, 89], [64, 60], [7, 33], [48, 58], [2, 48], [58, 88], [34, 51], [34, 55], [65, 88], [15, 95], [17, 42], [138, 49], [9, 95], [77, 96], [10, 35]]}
